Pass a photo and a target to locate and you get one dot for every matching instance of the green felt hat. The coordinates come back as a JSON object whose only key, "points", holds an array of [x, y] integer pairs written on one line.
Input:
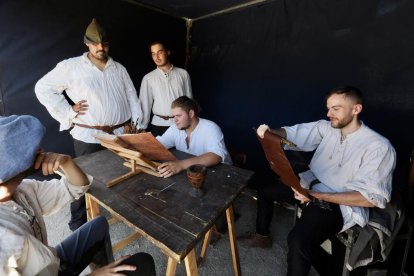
{"points": [[95, 33]]}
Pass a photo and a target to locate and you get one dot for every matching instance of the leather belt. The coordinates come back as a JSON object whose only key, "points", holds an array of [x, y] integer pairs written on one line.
{"points": [[164, 117], [107, 129], [318, 202], [314, 182]]}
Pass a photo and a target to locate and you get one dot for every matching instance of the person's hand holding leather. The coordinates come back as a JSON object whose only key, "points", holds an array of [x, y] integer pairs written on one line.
{"points": [[261, 130]]}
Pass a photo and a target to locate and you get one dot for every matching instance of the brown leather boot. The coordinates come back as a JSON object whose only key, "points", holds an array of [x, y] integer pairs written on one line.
{"points": [[256, 240]]}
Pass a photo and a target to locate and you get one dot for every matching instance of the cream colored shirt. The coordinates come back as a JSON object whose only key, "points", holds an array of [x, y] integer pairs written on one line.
{"points": [[159, 90], [110, 94], [23, 239], [363, 162]]}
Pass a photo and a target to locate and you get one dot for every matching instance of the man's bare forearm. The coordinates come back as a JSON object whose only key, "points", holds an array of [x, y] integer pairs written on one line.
{"points": [[208, 159], [345, 198]]}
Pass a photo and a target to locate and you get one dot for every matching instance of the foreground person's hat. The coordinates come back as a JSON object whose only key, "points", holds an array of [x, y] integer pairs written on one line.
{"points": [[20, 138], [95, 33]]}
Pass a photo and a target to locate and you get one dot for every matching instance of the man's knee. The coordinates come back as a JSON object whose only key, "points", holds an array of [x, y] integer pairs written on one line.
{"points": [[100, 222]]}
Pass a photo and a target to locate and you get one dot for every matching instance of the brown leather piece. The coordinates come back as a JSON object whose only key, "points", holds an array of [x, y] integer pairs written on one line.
{"points": [[278, 161]]}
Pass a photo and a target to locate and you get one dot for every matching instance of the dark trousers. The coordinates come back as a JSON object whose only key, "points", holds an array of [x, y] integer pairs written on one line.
{"points": [[92, 243], [315, 226], [82, 148], [266, 195], [158, 130], [78, 207]]}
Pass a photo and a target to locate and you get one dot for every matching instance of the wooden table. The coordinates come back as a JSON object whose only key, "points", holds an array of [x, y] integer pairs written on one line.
{"points": [[171, 220]]}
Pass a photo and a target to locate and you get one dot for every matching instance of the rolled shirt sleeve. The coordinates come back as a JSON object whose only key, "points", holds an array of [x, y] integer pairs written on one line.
{"points": [[134, 102], [52, 195], [49, 91], [373, 179]]}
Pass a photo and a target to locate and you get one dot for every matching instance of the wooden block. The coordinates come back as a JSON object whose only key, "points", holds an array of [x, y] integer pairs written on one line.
{"points": [[191, 264], [206, 242], [125, 242], [233, 241], [92, 207], [171, 267], [144, 169], [121, 178]]}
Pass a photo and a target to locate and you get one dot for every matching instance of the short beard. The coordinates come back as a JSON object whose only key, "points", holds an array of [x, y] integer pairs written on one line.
{"points": [[343, 123], [104, 55], [185, 127]]}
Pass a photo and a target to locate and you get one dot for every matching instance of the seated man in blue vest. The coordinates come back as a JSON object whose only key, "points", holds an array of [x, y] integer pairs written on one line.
{"points": [[24, 247]]}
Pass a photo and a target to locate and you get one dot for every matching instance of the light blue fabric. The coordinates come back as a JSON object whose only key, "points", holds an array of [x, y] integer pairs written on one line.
{"points": [[20, 138]]}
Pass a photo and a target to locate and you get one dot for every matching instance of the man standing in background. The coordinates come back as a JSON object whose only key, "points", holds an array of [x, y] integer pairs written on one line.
{"points": [[160, 88], [105, 97]]}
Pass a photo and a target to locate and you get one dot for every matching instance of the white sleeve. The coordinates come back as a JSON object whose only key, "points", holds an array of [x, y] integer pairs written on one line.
{"points": [[215, 142], [374, 176], [49, 91], [53, 194], [188, 89], [134, 102], [168, 138], [147, 100], [306, 136]]}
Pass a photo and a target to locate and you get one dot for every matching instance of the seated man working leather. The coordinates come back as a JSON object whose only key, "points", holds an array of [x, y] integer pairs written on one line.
{"points": [[23, 203], [351, 171], [194, 135]]}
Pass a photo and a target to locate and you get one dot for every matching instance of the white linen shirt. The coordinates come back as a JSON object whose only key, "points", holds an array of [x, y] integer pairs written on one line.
{"points": [[159, 90], [363, 162], [24, 251], [206, 137], [110, 94]]}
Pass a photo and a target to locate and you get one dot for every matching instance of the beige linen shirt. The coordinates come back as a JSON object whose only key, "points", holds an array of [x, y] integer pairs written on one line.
{"points": [[158, 90], [24, 248], [110, 94], [363, 162]]}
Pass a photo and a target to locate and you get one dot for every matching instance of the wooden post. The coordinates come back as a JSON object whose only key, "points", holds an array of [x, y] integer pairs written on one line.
{"points": [[206, 242], [171, 267], [233, 241], [125, 242], [191, 264], [92, 208]]}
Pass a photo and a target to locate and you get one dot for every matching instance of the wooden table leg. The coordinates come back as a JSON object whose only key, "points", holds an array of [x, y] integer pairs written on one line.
{"points": [[171, 267], [206, 242], [92, 208], [191, 264], [233, 241]]}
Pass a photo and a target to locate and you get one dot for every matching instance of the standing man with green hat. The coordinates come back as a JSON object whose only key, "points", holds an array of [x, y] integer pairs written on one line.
{"points": [[104, 96]]}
